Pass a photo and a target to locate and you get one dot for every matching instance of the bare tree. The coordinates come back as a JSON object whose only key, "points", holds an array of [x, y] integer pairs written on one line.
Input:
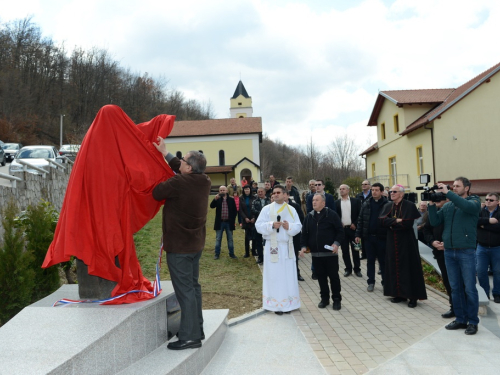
{"points": [[343, 156]]}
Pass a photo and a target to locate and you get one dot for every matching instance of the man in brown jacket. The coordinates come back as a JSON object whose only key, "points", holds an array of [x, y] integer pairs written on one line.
{"points": [[184, 217]]}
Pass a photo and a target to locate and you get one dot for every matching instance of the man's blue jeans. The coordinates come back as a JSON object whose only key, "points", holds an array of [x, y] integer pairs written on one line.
{"points": [[461, 266], [224, 226], [486, 256]]}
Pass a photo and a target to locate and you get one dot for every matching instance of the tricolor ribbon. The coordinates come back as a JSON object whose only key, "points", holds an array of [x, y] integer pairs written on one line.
{"points": [[156, 288]]}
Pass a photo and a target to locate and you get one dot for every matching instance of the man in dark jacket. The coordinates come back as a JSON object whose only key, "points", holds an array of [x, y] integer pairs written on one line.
{"points": [[460, 216], [322, 227], [320, 189], [488, 246], [371, 232], [296, 238], [184, 218], [348, 210], [292, 191], [257, 205], [225, 214], [433, 237], [363, 196]]}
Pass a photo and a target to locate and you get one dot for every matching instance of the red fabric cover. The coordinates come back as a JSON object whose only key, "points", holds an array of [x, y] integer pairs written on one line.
{"points": [[108, 199]]}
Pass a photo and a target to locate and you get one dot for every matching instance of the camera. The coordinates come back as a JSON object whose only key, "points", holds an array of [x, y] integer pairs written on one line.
{"points": [[430, 193]]}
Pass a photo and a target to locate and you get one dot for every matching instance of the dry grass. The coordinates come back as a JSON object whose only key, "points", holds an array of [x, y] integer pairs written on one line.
{"points": [[234, 284]]}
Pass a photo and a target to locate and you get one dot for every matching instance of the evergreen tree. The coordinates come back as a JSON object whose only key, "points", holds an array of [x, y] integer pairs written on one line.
{"points": [[17, 278], [39, 223]]}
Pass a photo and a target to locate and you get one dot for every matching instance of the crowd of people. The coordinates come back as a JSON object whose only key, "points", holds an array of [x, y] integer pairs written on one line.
{"points": [[378, 224], [281, 225]]}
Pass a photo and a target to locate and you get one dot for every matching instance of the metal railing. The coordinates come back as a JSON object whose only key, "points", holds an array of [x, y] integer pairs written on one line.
{"points": [[391, 180], [13, 179]]}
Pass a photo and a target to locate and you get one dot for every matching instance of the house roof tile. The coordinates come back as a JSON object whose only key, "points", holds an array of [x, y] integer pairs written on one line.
{"points": [[457, 95], [245, 125]]}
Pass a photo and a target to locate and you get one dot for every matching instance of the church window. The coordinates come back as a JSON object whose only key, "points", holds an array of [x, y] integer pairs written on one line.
{"points": [[222, 157]]}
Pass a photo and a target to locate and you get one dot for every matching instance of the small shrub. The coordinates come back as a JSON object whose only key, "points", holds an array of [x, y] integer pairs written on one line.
{"points": [[39, 223], [17, 278]]}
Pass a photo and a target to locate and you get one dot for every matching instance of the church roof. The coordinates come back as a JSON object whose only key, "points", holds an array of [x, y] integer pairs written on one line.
{"points": [[240, 90], [245, 125]]}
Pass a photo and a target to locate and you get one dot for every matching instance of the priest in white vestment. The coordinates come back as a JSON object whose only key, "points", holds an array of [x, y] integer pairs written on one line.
{"points": [[278, 222]]}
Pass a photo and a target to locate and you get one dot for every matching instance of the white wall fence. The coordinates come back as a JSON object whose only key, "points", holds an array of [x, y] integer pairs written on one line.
{"points": [[28, 188]]}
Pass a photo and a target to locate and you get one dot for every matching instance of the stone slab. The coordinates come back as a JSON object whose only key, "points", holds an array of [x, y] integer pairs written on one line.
{"points": [[68, 339]]}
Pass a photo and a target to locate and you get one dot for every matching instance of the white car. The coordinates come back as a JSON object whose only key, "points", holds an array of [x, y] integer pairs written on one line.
{"points": [[35, 155]]}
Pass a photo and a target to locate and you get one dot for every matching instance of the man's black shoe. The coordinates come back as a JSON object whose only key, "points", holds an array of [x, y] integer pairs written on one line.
{"points": [[216, 257], [358, 273], [448, 314], [314, 277], [471, 329], [347, 273], [233, 256], [413, 303], [379, 272], [398, 299], [496, 298], [323, 304], [184, 344], [336, 305], [300, 278], [278, 312], [455, 325], [246, 256]]}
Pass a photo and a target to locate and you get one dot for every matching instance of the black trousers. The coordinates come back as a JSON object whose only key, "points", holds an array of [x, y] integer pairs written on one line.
{"points": [[184, 271], [258, 243], [346, 253], [439, 256], [327, 268], [249, 232]]}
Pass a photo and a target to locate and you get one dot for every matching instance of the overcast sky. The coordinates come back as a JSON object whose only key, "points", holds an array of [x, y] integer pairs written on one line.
{"points": [[312, 68]]}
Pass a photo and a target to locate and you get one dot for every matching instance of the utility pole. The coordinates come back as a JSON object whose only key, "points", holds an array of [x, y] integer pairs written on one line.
{"points": [[61, 132]]}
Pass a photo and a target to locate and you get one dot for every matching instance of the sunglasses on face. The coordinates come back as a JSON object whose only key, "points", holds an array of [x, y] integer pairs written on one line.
{"points": [[490, 200], [394, 192], [319, 184]]}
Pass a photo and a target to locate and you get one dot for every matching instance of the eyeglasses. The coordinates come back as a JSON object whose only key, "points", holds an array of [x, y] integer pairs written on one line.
{"points": [[185, 161], [490, 200], [319, 184], [394, 192]]}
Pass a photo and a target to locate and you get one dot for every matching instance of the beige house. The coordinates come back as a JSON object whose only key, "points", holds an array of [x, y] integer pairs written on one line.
{"points": [[442, 132], [231, 146]]}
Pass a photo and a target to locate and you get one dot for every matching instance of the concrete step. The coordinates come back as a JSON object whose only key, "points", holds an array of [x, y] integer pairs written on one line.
{"points": [[84, 338], [189, 361]]}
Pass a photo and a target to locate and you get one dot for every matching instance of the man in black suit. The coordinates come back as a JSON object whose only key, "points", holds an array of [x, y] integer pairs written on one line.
{"points": [[348, 209], [225, 214], [296, 238], [366, 193], [320, 189]]}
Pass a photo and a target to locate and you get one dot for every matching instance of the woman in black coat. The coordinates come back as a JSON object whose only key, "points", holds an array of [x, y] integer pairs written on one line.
{"points": [[247, 218]]}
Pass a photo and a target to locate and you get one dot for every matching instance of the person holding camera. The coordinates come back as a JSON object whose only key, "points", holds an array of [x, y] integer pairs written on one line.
{"points": [[488, 246], [403, 277], [225, 215], [460, 217]]}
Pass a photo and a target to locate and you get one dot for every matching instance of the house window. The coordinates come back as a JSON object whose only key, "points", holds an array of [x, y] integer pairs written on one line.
{"points": [[396, 123], [240, 103], [420, 160], [222, 158], [382, 130], [178, 154], [393, 171], [373, 170]]}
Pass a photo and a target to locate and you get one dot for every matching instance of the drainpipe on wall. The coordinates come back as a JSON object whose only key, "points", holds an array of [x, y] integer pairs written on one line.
{"points": [[432, 146]]}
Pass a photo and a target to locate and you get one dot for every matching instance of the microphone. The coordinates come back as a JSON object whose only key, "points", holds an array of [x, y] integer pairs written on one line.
{"points": [[279, 219]]}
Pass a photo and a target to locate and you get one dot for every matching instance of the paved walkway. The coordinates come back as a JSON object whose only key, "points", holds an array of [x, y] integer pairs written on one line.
{"points": [[369, 334]]}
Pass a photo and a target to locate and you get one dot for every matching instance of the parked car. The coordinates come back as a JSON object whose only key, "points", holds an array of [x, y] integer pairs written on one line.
{"points": [[35, 155], [69, 150], [2, 154], [11, 150]]}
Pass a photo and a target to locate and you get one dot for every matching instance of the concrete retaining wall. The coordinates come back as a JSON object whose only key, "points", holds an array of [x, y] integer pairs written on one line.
{"points": [[33, 188]]}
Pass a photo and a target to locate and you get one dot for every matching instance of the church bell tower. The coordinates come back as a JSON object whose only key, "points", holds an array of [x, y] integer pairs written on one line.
{"points": [[240, 103]]}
